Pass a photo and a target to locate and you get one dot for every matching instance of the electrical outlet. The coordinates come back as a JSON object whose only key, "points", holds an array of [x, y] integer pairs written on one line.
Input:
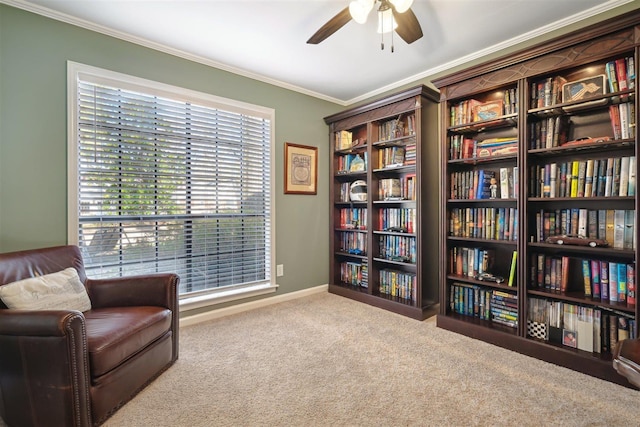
{"points": [[279, 270]]}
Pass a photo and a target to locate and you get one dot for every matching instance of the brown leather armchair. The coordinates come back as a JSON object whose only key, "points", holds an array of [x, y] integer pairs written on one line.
{"points": [[68, 368], [626, 360]]}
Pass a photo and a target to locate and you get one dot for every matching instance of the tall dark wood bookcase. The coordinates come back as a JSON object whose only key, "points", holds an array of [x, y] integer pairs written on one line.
{"points": [[538, 118], [383, 250]]}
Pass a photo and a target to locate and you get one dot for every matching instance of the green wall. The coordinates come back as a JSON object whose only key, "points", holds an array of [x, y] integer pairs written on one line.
{"points": [[33, 55], [33, 135]]}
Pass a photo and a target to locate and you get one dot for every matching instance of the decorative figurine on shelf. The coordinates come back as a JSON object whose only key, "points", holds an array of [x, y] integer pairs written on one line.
{"points": [[493, 186]]}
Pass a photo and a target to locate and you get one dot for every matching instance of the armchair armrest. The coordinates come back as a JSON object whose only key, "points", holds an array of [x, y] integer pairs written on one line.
{"points": [[155, 289], [31, 343], [42, 323]]}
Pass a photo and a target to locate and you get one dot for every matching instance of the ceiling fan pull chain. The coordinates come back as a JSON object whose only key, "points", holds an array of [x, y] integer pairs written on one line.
{"points": [[392, 40], [381, 30]]}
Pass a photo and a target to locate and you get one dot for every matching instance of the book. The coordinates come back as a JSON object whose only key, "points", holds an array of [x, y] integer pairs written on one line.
{"points": [[588, 178], [631, 284], [618, 228], [624, 176], [595, 278], [622, 282], [504, 183], [586, 276], [512, 270], [631, 188]]}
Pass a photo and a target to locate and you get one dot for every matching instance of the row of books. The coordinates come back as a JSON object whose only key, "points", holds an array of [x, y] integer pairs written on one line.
{"points": [[548, 133], [397, 219], [398, 284], [410, 154], [616, 226], [621, 74], [547, 92], [354, 273], [472, 110], [623, 120], [592, 329], [390, 157], [403, 188], [484, 223], [485, 184], [463, 147], [606, 177], [470, 262], [355, 218], [353, 243], [349, 163], [486, 304], [397, 128], [343, 140], [600, 279], [398, 248]]}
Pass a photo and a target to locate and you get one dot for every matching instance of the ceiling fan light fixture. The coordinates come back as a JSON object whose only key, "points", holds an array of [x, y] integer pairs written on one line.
{"points": [[401, 5], [359, 10], [386, 22]]}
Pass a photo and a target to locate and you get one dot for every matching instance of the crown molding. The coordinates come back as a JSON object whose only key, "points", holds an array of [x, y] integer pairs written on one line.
{"points": [[68, 19]]}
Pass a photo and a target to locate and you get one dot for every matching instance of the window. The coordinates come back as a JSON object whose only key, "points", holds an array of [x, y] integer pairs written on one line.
{"points": [[163, 179]]}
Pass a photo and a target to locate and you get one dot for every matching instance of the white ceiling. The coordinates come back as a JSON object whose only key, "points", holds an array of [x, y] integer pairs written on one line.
{"points": [[266, 39]]}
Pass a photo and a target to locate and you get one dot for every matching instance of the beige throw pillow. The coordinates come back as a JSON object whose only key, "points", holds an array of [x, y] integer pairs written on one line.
{"points": [[56, 291]]}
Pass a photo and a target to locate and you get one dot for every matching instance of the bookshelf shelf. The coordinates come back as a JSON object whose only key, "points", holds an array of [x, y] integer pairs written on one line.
{"points": [[566, 113], [399, 268]]}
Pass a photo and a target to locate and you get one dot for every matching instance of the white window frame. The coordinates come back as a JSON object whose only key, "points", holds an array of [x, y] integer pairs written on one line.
{"points": [[76, 72]]}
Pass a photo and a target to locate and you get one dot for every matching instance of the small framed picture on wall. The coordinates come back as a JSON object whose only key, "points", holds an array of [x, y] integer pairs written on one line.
{"points": [[300, 169]]}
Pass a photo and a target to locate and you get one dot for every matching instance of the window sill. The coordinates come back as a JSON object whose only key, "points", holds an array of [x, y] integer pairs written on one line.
{"points": [[222, 296]]}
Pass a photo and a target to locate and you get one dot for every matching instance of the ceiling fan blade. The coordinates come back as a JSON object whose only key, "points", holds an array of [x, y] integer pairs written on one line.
{"points": [[408, 26], [333, 25]]}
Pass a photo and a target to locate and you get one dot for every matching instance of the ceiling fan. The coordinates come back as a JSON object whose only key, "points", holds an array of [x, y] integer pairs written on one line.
{"points": [[392, 15]]}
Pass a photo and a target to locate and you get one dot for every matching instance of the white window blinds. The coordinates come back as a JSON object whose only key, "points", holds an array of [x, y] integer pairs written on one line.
{"points": [[168, 185]]}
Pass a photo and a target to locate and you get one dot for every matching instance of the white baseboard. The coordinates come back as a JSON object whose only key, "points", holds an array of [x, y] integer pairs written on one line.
{"points": [[239, 308]]}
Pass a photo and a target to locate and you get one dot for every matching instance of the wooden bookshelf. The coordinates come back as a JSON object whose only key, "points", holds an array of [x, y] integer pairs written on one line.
{"points": [[381, 253], [570, 124]]}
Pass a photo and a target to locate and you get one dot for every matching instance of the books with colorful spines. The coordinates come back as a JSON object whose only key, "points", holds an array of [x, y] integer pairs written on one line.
{"points": [[621, 73], [575, 168], [610, 71], [613, 282], [582, 171], [622, 282], [586, 276], [595, 278], [631, 285], [614, 117], [604, 280], [564, 275]]}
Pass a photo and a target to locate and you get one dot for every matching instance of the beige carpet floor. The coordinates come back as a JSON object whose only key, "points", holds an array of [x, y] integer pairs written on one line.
{"points": [[325, 360]]}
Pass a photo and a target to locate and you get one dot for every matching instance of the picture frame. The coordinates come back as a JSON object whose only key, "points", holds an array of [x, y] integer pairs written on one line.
{"points": [[300, 169], [584, 88]]}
